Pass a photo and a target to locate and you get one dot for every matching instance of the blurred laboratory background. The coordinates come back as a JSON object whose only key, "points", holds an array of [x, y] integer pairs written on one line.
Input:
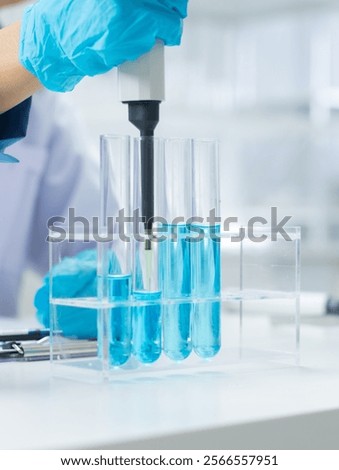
{"points": [[263, 77]]}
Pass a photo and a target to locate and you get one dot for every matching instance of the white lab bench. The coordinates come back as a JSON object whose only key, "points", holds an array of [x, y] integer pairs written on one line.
{"points": [[290, 407]]}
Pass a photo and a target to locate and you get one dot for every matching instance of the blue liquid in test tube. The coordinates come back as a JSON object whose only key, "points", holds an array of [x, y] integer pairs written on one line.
{"points": [[147, 327], [206, 280], [120, 320], [176, 284]]}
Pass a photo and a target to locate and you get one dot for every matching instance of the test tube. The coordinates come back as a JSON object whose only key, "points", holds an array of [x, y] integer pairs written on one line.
{"points": [[115, 269], [146, 318], [205, 249], [176, 208]]}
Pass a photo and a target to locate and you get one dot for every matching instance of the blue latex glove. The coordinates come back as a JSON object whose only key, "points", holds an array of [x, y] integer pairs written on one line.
{"points": [[73, 277], [4, 157], [64, 40]]}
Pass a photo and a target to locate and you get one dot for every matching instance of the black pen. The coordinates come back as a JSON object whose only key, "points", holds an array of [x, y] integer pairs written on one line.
{"points": [[40, 350], [23, 335]]}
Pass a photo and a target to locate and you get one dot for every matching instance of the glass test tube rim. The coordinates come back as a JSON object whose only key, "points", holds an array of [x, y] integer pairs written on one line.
{"points": [[162, 139], [78, 236], [115, 136], [291, 230]]}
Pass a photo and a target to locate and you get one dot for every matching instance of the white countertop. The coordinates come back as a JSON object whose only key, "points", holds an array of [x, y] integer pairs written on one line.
{"points": [[259, 408]]}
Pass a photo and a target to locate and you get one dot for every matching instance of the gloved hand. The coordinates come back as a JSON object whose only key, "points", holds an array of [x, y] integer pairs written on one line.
{"points": [[64, 40], [4, 157], [73, 277]]}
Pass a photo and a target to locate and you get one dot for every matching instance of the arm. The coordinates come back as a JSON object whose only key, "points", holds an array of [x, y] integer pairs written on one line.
{"points": [[59, 42], [16, 83], [5, 3]]}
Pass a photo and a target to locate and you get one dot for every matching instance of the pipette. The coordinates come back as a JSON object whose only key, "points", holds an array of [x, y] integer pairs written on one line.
{"points": [[142, 87]]}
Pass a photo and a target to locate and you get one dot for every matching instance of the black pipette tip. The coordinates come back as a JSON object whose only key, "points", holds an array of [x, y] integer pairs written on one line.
{"points": [[148, 243], [332, 306], [144, 115]]}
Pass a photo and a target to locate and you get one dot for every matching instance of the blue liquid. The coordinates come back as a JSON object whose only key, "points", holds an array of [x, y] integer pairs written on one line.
{"points": [[176, 283], [147, 328], [120, 320], [206, 280]]}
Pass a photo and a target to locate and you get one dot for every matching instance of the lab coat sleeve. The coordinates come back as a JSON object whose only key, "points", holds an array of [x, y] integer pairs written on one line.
{"points": [[13, 124], [66, 173]]}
